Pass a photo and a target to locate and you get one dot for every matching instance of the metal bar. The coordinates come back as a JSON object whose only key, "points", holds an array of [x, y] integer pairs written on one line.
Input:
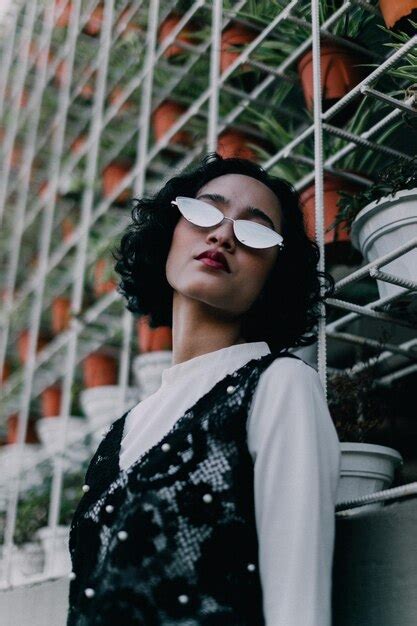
{"points": [[403, 106]]}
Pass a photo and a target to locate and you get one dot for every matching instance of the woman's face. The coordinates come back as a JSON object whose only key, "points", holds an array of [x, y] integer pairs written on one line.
{"points": [[233, 293]]}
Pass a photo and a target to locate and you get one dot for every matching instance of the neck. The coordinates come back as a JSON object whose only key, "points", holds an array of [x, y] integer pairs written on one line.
{"points": [[198, 328]]}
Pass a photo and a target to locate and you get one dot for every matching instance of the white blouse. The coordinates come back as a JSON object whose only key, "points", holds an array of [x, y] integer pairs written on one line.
{"points": [[296, 453]]}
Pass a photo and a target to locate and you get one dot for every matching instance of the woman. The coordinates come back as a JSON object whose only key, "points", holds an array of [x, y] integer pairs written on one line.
{"points": [[212, 501]]}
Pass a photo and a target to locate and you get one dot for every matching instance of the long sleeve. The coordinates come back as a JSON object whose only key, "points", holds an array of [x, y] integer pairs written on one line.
{"points": [[296, 453]]}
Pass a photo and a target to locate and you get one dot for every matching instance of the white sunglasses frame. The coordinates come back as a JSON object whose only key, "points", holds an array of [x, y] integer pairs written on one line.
{"points": [[279, 244]]}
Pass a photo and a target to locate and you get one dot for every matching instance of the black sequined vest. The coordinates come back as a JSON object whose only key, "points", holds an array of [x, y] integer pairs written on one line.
{"points": [[172, 541]]}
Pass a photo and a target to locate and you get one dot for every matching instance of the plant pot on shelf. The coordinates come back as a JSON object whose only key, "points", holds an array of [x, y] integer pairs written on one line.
{"points": [[78, 143], [235, 143], [31, 432], [152, 339], [99, 369], [112, 177], [340, 72], [382, 226], [337, 241], [27, 560], [396, 14], [102, 405], [104, 282], [61, 314], [93, 25], [165, 116], [366, 468], [63, 10], [166, 28], [51, 401], [23, 344], [56, 553], [67, 228], [115, 97], [147, 369], [9, 459], [49, 431], [61, 73], [235, 36]]}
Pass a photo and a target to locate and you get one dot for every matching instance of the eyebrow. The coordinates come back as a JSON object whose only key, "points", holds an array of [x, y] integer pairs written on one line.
{"points": [[216, 197]]}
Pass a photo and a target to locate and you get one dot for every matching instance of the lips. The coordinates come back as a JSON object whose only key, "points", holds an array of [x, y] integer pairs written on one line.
{"points": [[217, 259]]}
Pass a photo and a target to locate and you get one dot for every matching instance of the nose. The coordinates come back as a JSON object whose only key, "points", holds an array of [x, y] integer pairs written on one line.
{"points": [[223, 233]]}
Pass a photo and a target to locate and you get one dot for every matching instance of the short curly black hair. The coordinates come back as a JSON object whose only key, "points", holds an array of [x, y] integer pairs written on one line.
{"points": [[285, 314]]}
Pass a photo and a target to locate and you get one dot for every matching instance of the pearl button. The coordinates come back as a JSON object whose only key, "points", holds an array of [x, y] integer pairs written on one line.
{"points": [[86, 488], [251, 567], [109, 508], [230, 389], [122, 534], [207, 497], [72, 575], [89, 592], [165, 447], [183, 599]]}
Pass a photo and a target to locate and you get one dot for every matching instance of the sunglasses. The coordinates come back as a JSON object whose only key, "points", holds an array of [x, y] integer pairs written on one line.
{"points": [[249, 233]]}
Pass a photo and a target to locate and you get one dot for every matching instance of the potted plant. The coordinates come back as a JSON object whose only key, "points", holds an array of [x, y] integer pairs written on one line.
{"points": [[112, 176], [60, 314], [155, 347], [398, 14], [341, 67], [9, 453], [92, 27], [185, 35], [363, 162], [101, 400], [358, 411], [63, 10], [383, 217], [23, 344], [51, 401]]}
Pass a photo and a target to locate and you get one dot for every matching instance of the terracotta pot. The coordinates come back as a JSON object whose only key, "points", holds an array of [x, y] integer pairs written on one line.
{"points": [[332, 185], [23, 344], [393, 12], [164, 116], [233, 143], [6, 372], [339, 73], [99, 369], [78, 144], [101, 285], [165, 29], [93, 24], [126, 25], [31, 433], [144, 334], [61, 73], [162, 338], [51, 401], [113, 174], [63, 20], [236, 35], [115, 97], [67, 228], [24, 99], [61, 314], [87, 90]]}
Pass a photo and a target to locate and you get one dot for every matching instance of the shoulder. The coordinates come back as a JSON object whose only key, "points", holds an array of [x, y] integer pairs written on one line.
{"points": [[290, 370]]}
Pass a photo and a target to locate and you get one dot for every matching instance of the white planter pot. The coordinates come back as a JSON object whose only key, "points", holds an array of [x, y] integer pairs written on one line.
{"points": [[57, 556], [148, 368], [49, 432], [27, 560], [382, 226], [9, 455], [365, 469], [102, 405]]}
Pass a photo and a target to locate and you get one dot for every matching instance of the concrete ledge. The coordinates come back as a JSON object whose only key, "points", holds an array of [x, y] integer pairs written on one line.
{"points": [[38, 604]]}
